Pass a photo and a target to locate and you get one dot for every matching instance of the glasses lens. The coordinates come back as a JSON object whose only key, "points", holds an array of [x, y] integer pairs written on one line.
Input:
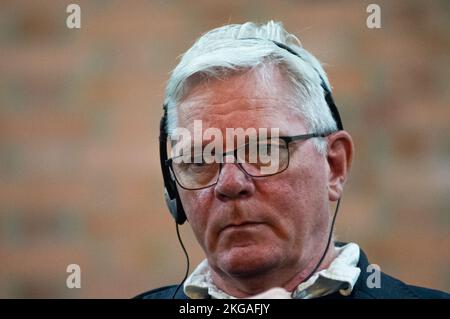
{"points": [[196, 173], [264, 158]]}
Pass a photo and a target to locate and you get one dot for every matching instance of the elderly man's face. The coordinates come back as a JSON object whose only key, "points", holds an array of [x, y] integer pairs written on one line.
{"points": [[248, 226]]}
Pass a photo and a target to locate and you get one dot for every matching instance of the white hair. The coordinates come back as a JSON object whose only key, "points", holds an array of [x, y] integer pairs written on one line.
{"points": [[239, 47]]}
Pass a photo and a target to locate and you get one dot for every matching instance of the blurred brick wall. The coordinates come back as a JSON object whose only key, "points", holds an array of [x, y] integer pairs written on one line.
{"points": [[79, 112]]}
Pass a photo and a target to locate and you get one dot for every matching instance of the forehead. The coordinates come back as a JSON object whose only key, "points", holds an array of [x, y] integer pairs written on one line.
{"points": [[243, 100]]}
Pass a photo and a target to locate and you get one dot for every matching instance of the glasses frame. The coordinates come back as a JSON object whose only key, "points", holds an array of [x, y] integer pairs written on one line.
{"points": [[286, 139]]}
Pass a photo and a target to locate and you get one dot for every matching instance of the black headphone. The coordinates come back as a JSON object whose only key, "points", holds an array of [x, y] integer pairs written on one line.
{"points": [[171, 195]]}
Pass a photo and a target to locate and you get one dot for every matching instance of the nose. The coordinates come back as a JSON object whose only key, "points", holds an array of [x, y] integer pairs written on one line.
{"points": [[233, 183]]}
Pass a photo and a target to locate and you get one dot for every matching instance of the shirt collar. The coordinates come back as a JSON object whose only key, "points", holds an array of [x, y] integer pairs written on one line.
{"points": [[341, 276]]}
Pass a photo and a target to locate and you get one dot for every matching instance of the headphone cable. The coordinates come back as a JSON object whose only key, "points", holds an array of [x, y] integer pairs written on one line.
{"points": [[328, 243], [187, 261]]}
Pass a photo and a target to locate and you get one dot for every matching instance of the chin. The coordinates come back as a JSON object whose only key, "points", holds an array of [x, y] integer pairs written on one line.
{"points": [[246, 261]]}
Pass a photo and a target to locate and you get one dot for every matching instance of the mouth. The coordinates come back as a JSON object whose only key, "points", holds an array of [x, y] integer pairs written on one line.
{"points": [[242, 226]]}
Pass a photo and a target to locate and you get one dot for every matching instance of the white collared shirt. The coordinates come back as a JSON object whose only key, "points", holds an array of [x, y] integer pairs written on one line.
{"points": [[341, 276]]}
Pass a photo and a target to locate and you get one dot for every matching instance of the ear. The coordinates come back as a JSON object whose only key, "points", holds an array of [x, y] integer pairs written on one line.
{"points": [[339, 157]]}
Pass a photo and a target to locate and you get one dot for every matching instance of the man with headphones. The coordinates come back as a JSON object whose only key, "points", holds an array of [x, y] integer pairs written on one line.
{"points": [[265, 233]]}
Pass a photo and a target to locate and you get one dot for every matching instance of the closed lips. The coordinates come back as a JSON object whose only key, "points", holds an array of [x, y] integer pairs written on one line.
{"points": [[241, 225]]}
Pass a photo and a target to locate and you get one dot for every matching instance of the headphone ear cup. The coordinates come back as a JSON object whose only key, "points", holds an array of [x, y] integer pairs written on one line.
{"points": [[175, 206], [171, 195]]}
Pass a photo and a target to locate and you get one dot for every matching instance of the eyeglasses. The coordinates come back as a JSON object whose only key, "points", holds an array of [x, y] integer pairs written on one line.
{"points": [[261, 159]]}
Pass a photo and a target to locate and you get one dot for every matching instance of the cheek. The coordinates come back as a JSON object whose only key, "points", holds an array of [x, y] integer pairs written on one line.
{"points": [[301, 186], [299, 196], [196, 207], [308, 178]]}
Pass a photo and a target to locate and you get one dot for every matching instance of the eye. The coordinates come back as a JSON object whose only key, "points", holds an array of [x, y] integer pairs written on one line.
{"points": [[199, 164]]}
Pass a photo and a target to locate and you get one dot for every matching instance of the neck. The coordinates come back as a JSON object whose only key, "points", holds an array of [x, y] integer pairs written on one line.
{"points": [[287, 276]]}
